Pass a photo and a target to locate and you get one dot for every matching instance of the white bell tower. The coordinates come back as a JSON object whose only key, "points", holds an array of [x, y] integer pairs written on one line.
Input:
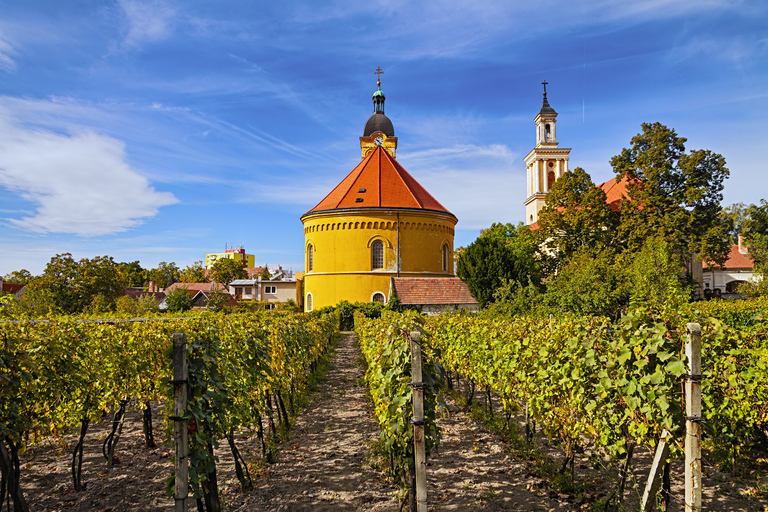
{"points": [[545, 163]]}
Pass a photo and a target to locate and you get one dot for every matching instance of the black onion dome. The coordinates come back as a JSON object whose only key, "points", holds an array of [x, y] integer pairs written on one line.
{"points": [[378, 122], [545, 107]]}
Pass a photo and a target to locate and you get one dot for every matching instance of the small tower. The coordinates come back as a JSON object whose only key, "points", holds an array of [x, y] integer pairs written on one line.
{"points": [[545, 163], [378, 129]]}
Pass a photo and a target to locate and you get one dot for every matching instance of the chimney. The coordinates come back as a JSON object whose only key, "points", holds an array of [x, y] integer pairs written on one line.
{"points": [[742, 247], [151, 287]]}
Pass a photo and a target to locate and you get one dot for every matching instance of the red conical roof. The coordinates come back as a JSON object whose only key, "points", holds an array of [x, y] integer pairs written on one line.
{"points": [[385, 183]]}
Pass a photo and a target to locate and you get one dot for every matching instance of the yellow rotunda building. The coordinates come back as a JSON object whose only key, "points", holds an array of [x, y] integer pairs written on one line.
{"points": [[378, 223]]}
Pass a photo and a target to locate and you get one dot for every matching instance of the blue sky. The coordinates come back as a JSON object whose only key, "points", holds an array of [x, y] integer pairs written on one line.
{"points": [[163, 130]]}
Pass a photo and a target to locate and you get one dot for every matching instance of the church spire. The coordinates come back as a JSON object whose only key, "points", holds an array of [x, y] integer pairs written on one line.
{"points": [[546, 162], [378, 97], [378, 129], [545, 108]]}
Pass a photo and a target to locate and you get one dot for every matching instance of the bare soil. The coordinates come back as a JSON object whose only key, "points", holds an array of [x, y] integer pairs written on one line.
{"points": [[326, 466]]}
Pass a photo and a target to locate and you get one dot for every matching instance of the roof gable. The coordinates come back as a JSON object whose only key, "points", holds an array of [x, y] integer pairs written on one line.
{"points": [[737, 259], [616, 191], [386, 184]]}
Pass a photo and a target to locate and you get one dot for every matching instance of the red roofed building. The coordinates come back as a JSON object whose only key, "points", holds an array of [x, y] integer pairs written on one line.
{"points": [[434, 296], [11, 289], [739, 268], [376, 224]]}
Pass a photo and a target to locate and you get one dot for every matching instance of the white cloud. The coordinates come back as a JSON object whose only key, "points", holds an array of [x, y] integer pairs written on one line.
{"points": [[6, 55], [148, 21], [80, 183]]}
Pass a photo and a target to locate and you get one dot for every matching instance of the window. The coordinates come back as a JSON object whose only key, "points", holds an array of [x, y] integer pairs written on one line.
{"points": [[309, 302], [310, 257], [247, 290], [550, 180], [377, 255], [445, 258], [378, 297], [270, 289]]}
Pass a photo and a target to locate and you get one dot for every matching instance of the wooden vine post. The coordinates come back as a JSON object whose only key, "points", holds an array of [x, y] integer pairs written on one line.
{"points": [[180, 432], [656, 474], [693, 420], [418, 423]]}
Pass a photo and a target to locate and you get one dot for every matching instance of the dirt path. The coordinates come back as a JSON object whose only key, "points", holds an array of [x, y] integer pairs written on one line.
{"points": [[324, 465]]}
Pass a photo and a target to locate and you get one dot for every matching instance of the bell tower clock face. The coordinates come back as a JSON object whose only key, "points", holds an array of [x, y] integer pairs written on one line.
{"points": [[378, 141]]}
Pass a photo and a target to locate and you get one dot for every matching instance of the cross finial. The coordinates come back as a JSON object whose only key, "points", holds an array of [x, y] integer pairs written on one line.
{"points": [[544, 83], [378, 73]]}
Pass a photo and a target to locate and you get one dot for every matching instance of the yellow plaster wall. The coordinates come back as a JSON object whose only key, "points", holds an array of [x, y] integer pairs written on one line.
{"points": [[342, 251]]}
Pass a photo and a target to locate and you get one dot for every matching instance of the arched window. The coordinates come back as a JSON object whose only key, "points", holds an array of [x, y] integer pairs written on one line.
{"points": [[378, 297], [550, 180], [310, 258], [445, 258], [309, 302], [377, 255], [547, 132]]}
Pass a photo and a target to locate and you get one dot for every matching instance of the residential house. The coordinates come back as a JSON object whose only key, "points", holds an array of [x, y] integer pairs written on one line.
{"points": [[739, 268]]}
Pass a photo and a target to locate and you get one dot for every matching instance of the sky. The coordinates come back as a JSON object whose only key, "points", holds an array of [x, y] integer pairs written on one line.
{"points": [[165, 130]]}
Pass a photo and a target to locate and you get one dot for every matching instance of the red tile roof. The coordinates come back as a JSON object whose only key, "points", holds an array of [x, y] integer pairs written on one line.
{"points": [[615, 191], [136, 293], [432, 290], [10, 287], [195, 287], [737, 260], [386, 183]]}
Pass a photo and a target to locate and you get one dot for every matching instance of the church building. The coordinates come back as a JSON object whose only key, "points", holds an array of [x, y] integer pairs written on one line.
{"points": [[379, 223], [545, 163]]}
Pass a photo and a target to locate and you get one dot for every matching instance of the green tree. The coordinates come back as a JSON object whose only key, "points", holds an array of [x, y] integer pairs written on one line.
{"points": [[178, 299], [194, 273], [101, 275], [226, 270], [587, 284], [501, 253], [735, 217], [22, 276], [576, 216], [134, 275], [756, 236], [674, 195], [654, 276], [264, 274], [165, 274], [216, 300], [69, 286]]}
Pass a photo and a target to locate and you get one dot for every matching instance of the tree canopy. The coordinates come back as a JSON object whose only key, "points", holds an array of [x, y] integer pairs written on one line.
{"points": [[756, 235], [22, 276], [165, 274], [674, 195], [226, 270], [576, 216], [501, 253], [69, 286], [194, 273]]}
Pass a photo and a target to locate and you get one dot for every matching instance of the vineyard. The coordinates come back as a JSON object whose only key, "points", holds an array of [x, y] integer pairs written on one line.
{"points": [[596, 389], [593, 386], [244, 371]]}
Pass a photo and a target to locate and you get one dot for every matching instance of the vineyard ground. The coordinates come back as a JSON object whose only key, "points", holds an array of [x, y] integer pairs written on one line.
{"points": [[721, 492], [325, 466]]}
